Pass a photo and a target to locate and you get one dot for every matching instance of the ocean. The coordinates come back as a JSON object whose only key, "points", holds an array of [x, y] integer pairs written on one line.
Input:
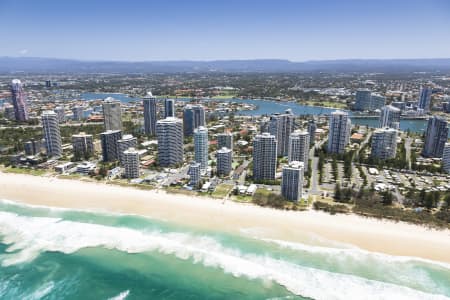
{"points": [[48, 253]]}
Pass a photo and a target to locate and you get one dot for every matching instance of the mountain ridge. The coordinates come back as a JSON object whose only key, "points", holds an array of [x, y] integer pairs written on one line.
{"points": [[58, 65]]}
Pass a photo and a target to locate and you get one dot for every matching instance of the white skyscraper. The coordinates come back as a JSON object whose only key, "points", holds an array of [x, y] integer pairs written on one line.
{"points": [[224, 161], [264, 156], [170, 141], [339, 132], [127, 141], [281, 126], [131, 163], [52, 134], [384, 143], [292, 181], [150, 118], [299, 146], [112, 114], [446, 158], [390, 117], [201, 147], [61, 113]]}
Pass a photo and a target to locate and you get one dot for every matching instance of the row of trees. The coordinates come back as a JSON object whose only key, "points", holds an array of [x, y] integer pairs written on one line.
{"points": [[399, 162], [320, 166], [369, 202], [428, 200], [429, 168]]}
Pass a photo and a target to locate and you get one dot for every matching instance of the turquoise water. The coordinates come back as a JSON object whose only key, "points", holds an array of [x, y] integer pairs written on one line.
{"points": [[266, 107], [67, 254]]}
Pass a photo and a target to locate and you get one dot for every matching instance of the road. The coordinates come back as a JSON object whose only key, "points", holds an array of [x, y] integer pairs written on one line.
{"points": [[315, 176], [363, 143], [314, 170], [241, 178], [408, 142]]}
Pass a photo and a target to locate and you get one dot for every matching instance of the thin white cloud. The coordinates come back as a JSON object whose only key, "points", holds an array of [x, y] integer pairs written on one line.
{"points": [[23, 51]]}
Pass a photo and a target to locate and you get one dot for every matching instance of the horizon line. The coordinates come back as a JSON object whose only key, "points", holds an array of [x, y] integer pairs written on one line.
{"points": [[225, 60]]}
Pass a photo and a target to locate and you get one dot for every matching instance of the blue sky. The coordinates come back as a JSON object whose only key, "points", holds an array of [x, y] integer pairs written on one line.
{"points": [[297, 30]]}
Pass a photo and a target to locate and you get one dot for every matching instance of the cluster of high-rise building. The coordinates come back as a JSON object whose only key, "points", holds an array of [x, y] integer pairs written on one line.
{"points": [[281, 126], [170, 132], [279, 137]]}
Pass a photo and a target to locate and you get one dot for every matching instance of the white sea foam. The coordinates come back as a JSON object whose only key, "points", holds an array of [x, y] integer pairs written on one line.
{"points": [[61, 209], [123, 295], [29, 236], [353, 252], [41, 291], [97, 211]]}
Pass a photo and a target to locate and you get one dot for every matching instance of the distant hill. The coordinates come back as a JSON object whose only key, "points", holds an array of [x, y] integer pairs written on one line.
{"points": [[52, 65]]}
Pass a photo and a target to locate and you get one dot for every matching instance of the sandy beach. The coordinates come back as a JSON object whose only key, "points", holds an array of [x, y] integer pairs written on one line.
{"points": [[369, 234]]}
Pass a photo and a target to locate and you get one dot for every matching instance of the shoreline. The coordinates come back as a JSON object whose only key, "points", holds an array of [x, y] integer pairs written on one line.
{"points": [[388, 237]]}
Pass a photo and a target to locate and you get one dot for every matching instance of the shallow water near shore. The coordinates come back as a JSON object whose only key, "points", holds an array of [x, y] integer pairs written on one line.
{"points": [[48, 253]]}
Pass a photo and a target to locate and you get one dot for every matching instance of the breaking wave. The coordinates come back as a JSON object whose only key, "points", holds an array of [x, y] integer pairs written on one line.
{"points": [[27, 237]]}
